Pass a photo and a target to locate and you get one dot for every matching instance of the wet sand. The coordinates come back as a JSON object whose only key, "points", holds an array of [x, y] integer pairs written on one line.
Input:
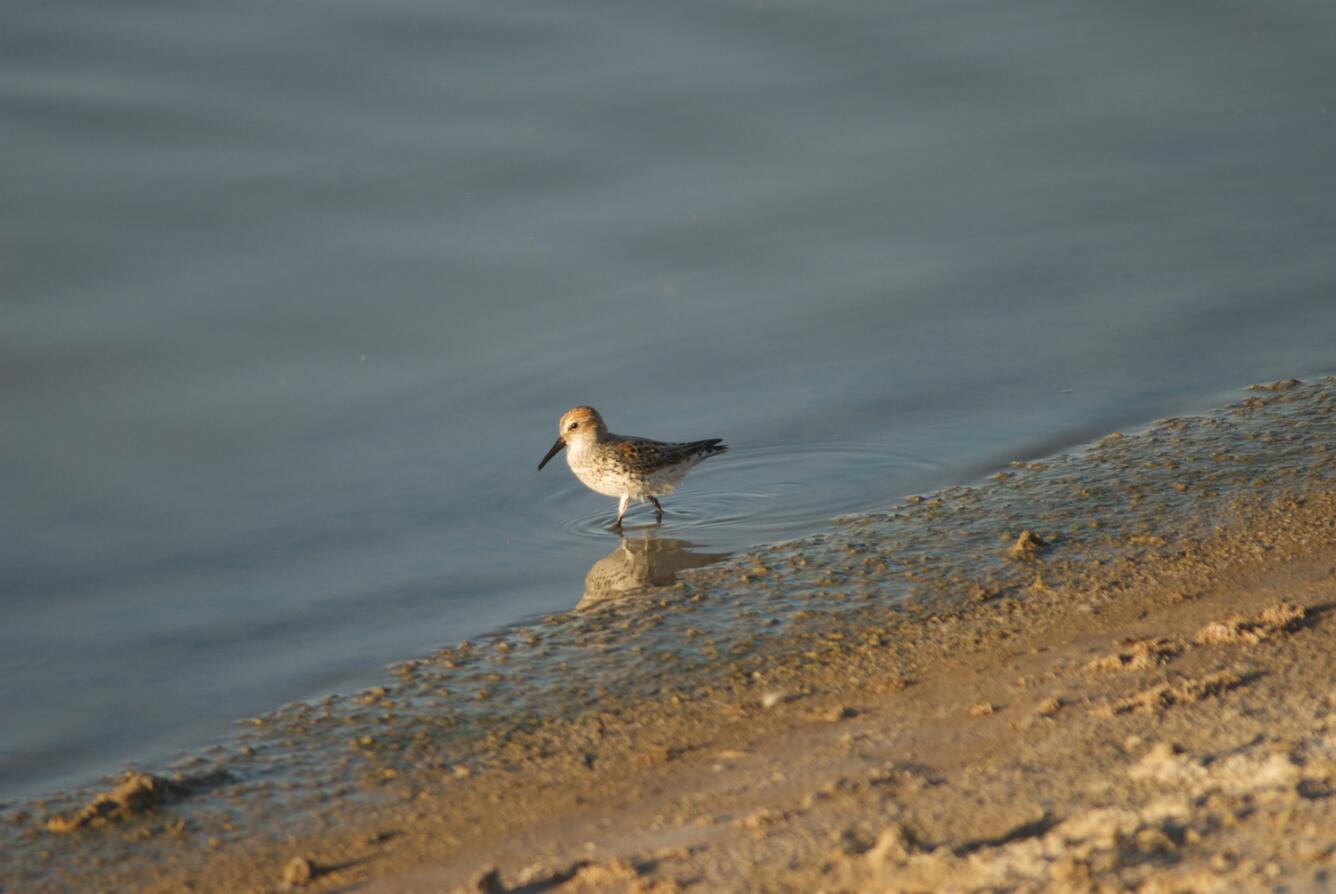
{"points": [[1112, 670]]}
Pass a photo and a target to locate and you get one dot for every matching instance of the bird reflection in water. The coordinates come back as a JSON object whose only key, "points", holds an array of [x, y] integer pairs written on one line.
{"points": [[639, 562]]}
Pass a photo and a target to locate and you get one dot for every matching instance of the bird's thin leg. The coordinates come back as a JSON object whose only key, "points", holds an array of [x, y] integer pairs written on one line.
{"points": [[621, 510], [658, 510]]}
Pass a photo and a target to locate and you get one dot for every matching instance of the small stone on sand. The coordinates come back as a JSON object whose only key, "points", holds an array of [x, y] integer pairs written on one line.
{"points": [[1027, 545], [298, 872]]}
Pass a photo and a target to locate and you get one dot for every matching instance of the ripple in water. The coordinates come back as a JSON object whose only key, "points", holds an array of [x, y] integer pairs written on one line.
{"points": [[754, 494]]}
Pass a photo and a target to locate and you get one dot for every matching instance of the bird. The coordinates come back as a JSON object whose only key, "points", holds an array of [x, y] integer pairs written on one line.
{"points": [[625, 467]]}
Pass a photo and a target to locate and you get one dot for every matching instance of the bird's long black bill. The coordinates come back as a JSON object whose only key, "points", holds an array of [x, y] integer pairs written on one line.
{"points": [[556, 448]]}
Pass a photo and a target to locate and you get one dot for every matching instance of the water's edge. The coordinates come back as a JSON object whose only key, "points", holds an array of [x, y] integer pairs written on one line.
{"points": [[722, 625]]}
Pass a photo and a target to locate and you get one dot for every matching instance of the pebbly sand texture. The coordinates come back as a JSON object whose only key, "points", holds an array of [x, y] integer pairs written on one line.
{"points": [[1114, 670]]}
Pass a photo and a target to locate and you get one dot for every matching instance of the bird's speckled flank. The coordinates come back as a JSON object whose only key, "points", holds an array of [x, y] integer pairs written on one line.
{"points": [[625, 467]]}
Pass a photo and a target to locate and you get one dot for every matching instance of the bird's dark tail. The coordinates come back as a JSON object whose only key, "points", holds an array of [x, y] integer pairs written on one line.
{"points": [[708, 447]]}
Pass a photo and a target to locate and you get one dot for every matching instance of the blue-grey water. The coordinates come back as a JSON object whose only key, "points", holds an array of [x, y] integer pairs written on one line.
{"points": [[294, 292]]}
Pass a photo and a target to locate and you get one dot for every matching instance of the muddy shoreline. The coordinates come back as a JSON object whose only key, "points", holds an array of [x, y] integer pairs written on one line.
{"points": [[923, 698]]}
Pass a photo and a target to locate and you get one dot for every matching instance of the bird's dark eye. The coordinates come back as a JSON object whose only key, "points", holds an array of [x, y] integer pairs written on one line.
{"points": [[573, 425]]}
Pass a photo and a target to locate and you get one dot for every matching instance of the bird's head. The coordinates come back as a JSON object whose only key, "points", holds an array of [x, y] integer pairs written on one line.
{"points": [[576, 424]]}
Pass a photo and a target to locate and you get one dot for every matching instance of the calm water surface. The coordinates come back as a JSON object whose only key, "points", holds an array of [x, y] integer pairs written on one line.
{"points": [[294, 293]]}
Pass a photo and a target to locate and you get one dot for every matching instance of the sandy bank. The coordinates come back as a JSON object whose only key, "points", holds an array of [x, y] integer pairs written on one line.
{"points": [[1140, 696]]}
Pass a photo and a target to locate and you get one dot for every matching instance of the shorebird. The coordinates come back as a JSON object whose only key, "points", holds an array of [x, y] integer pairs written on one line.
{"points": [[625, 467]]}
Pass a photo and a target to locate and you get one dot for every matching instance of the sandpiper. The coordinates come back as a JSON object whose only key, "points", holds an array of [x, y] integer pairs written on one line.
{"points": [[622, 466]]}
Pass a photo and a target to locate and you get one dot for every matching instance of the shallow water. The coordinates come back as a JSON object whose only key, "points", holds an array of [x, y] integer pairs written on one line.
{"points": [[295, 295]]}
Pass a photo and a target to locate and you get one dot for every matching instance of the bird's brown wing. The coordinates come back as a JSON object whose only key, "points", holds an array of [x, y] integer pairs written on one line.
{"points": [[646, 454]]}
